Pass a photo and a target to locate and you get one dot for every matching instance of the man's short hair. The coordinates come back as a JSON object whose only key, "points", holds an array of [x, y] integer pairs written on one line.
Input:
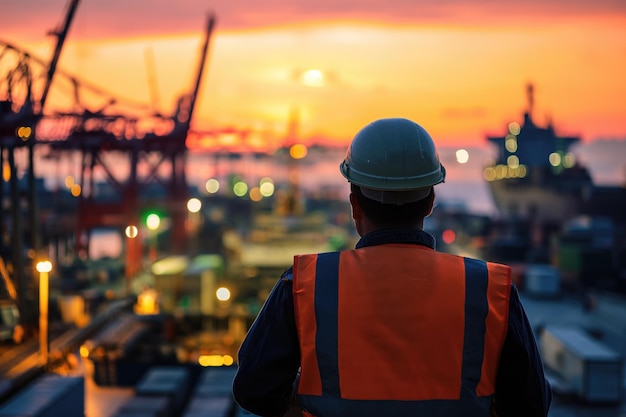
{"points": [[392, 215]]}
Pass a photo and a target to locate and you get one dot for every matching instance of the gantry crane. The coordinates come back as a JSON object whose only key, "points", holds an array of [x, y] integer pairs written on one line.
{"points": [[94, 135]]}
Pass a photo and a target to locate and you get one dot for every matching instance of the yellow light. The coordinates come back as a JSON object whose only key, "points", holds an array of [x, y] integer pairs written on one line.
{"points": [[489, 174], [212, 186], [514, 128], [194, 205], [84, 351], [511, 143], [69, 181], [512, 161], [44, 266], [147, 302], [298, 151], [555, 159], [6, 172], [211, 360], [511, 172], [569, 160], [501, 171], [223, 294], [131, 231], [462, 156], [24, 132], [522, 171], [267, 189], [228, 360]]}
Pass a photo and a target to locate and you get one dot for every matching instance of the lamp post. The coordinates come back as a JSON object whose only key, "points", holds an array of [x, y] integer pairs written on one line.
{"points": [[43, 267], [133, 254], [153, 221]]}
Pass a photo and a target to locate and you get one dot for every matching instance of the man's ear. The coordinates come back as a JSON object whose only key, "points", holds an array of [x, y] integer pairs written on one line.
{"points": [[356, 208], [431, 201]]}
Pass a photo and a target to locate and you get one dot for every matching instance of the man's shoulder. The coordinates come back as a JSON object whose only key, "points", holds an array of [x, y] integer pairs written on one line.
{"points": [[287, 276]]}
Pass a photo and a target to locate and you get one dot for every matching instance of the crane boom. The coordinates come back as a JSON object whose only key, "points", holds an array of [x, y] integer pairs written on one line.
{"points": [[61, 35]]}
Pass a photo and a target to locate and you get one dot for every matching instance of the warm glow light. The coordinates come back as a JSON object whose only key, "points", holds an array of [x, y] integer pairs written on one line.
{"points": [[24, 132], [511, 143], [522, 171], [555, 159], [212, 186], [211, 360], [215, 360], [75, 190], [44, 266], [84, 351], [131, 231], [501, 171], [489, 174], [514, 128], [462, 156], [222, 294], [147, 302], [448, 236], [194, 205], [569, 160], [267, 189], [255, 194], [313, 78], [512, 161], [6, 172], [298, 151]]}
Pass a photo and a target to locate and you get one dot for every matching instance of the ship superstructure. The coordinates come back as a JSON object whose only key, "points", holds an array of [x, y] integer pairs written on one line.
{"points": [[534, 175]]}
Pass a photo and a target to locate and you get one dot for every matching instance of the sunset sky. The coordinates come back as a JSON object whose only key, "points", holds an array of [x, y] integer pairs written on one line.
{"points": [[459, 68]]}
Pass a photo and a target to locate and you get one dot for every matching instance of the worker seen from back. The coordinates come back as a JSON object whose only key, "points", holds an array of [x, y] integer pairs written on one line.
{"points": [[392, 327]]}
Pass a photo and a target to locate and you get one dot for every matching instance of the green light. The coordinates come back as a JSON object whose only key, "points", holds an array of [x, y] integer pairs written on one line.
{"points": [[240, 189]]}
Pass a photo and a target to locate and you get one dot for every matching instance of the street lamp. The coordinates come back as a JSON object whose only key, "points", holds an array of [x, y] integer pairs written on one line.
{"points": [[43, 267], [133, 253], [153, 221]]}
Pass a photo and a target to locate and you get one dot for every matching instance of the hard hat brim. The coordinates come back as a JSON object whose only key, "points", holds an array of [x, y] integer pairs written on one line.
{"points": [[376, 182]]}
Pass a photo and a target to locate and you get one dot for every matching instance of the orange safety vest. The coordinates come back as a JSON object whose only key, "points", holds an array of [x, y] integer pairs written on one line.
{"points": [[399, 330]]}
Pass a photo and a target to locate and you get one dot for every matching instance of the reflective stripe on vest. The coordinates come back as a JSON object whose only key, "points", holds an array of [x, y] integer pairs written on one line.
{"points": [[399, 330]]}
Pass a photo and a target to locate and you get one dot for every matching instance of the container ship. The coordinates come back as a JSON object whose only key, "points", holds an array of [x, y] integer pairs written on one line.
{"points": [[549, 208]]}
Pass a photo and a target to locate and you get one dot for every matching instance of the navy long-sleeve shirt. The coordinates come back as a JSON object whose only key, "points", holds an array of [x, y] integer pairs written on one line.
{"points": [[269, 358]]}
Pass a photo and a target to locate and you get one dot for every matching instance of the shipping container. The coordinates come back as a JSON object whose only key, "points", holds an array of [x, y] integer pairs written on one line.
{"points": [[542, 280], [587, 368], [166, 381], [152, 406], [212, 395], [49, 396]]}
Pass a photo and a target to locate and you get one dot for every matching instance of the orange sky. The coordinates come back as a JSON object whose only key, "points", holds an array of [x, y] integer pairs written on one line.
{"points": [[457, 68]]}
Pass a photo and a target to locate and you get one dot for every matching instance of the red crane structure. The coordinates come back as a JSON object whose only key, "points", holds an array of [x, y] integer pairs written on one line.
{"points": [[105, 141]]}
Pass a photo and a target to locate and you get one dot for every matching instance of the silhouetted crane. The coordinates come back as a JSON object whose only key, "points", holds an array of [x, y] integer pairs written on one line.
{"points": [[98, 136]]}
